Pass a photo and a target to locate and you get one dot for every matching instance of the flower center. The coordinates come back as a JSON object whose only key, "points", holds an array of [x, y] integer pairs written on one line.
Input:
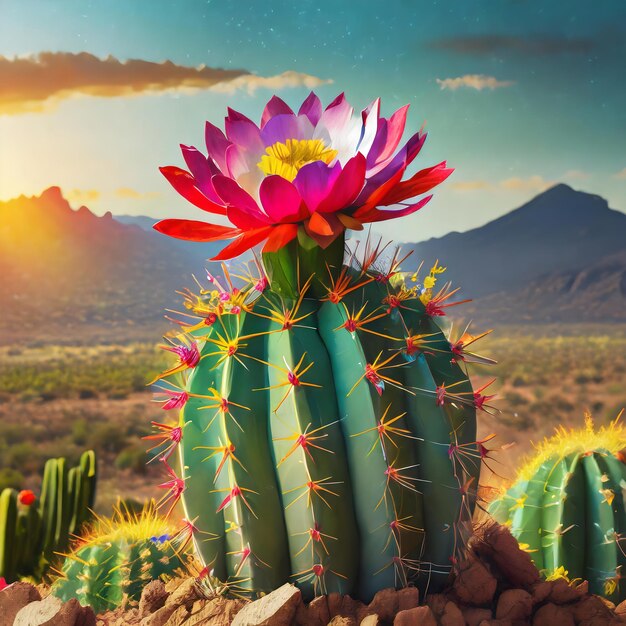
{"points": [[285, 159]]}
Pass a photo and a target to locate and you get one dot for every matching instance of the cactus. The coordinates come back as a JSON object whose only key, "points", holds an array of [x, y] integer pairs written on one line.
{"points": [[326, 429], [567, 506], [31, 534], [117, 558]]}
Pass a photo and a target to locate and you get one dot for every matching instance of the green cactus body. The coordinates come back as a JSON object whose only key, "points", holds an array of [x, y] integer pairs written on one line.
{"points": [[327, 441], [31, 535], [116, 561], [568, 508]]}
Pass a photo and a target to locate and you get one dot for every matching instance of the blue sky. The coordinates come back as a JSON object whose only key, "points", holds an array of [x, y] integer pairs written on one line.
{"points": [[557, 112]]}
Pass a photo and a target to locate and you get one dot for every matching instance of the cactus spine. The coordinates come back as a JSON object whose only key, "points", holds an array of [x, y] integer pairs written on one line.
{"points": [[567, 506], [115, 561], [328, 440], [31, 535]]}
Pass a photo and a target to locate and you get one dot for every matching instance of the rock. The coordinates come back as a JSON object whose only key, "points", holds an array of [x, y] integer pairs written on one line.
{"points": [[408, 598], [564, 593], [541, 590], [314, 614], [186, 593], [152, 598], [474, 616], [178, 617], [550, 615], [341, 620], [497, 622], [514, 604], [385, 604], [497, 545], [48, 612], [591, 610], [437, 603], [173, 584], [159, 617], [217, 611], [85, 617], [420, 615], [14, 597], [334, 601], [275, 609], [474, 584], [452, 615], [620, 609], [350, 606], [370, 620]]}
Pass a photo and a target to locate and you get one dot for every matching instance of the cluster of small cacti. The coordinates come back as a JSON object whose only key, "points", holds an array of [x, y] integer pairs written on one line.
{"points": [[32, 530], [118, 557], [327, 424], [568, 508]]}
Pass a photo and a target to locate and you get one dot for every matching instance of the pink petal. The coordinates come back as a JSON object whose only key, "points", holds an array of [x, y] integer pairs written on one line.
{"points": [[236, 162], [216, 144], [347, 186], [312, 108], [275, 106], [234, 196], [388, 138], [336, 115], [186, 186], [202, 169], [286, 126], [281, 200], [235, 116], [314, 182], [245, 134], [245, 220]]}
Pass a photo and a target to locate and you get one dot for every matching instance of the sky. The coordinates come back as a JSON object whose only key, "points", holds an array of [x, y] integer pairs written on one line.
{"points": [[516, 94]]}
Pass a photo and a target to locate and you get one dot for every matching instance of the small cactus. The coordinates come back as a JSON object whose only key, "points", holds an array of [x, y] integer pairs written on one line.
{"points": [[567, 507], [118, 557], [32, 530]]}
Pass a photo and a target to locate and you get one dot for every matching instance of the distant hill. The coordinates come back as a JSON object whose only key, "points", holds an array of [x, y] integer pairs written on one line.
{"points": [[69, 273], [143, 221], [558, 257]]}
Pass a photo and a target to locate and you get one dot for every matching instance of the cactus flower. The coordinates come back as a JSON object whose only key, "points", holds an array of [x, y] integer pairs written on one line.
{"points": [[26, 497], [318, 172]]}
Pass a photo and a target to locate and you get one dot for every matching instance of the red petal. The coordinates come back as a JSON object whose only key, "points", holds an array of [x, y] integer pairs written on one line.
{"points": [[244, 242], [347, 186], [319, 225], [280, 237], [378, 194], [375, 215], [192, 230], [185, 184], [418, 184]]}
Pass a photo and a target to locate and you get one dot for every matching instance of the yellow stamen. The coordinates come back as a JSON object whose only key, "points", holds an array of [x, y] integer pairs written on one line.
{"points": [[285, 159]]}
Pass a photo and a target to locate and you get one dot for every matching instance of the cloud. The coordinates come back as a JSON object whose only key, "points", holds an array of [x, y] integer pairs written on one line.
{"points": [[34, 82], [251, 82], [540, 45], [531, 184], [82, 196], [126, 193], [621, 175], [575, 175], [473, 81]]}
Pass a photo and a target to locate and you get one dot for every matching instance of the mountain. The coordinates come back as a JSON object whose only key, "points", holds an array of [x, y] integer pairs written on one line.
{"points": [[143, 221], [559, 257], [69, 273]]}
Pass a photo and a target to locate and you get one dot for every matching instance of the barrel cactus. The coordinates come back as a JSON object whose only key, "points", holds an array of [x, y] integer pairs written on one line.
{"points": [[567, 506], [326, 430], [119, 556]]}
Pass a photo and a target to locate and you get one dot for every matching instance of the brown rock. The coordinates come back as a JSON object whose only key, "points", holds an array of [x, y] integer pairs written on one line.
{"points": [[420, 615], [275, 609], [541, 590], [370, 620], [364, 613], [514, 604], [217, 611], [350, 606], [452, 616], [408, 598], [85, 616], [474, 584], [48, 612], [173, 584], [159, 617], [334, 601], [385, 604], [178, 617], [437, 603], [620, 609], [497, 546], [317, 612], [152, 598], [550, 615], [591, 610], [474, 616], [14, 597], [564, 593], [496, 622], [186, 593], [342, 620]]}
